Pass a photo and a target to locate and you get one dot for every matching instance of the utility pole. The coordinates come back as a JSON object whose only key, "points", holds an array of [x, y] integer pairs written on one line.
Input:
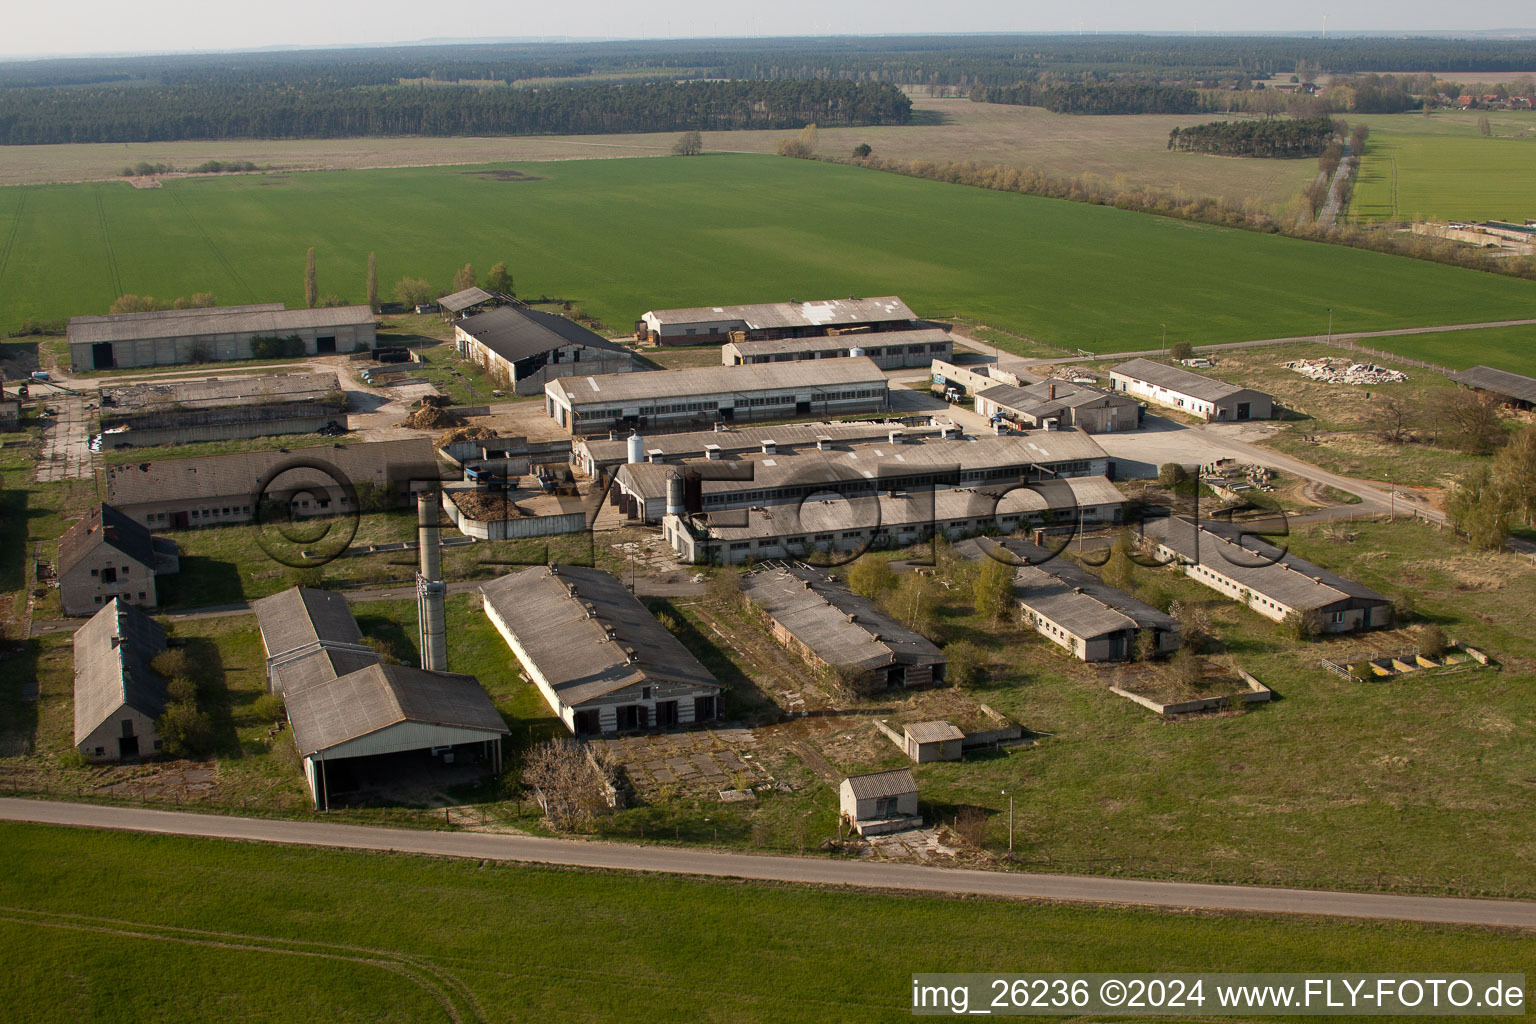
{"points": [[1010, 821]]}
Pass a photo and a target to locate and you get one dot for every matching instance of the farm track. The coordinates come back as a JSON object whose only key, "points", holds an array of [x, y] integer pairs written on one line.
{"points": [[218, 253], [10, 237], [453, 995], [106, 243]]}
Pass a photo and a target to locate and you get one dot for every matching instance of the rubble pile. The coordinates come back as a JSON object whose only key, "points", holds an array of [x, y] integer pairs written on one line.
{"points": [[1342, 371], [432, 417]]}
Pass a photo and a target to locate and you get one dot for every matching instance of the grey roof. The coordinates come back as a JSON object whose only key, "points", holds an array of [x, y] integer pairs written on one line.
{"points": [[1069, 595], [842, 342], [301, 616], [105, 525], [225, 320], [896, 782], [1500, 382], [514, 333], [933, 732], [819, 313], [1260, 566], [837, 625], [319, 664], [619, 388], [579, 626], [1178, 379], [219, 392], [163, 314], [330, 712], [237, 475], [736, 440], [1050, 397], [112, 655], [471, 296], [1005, 455]]}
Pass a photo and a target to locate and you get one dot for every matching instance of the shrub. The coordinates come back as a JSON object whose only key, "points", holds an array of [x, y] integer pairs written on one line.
{"points": [[181, 690], [1171, 474], [186, 731], [967, 665], [861, 151], [1431, 641], [1182, 350], [971, 825], [268, 708], [1302, 625], [277, 348], [870, 577], [1188, 668]]}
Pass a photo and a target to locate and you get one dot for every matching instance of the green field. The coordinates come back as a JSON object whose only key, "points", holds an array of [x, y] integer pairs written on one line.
{"points": [[1438, 167], [1508, 348], [621, 236], [208, 930]]}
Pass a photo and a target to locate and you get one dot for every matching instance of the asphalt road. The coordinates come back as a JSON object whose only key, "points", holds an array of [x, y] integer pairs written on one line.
{"points": [[798, 870]]}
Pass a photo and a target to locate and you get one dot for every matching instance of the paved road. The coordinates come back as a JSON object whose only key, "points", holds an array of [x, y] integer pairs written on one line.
{"points": [[801, 870]]}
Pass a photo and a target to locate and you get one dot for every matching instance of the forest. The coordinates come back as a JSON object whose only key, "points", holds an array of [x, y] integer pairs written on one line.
{"points": [[1278, 137], [232, 109], [1080, 98]]}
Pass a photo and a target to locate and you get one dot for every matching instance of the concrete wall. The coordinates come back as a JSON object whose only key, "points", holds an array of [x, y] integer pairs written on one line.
{"points": [[514, 529], [857, 811], [735, 407], [107, 734], [82, 593], [169, 351]]}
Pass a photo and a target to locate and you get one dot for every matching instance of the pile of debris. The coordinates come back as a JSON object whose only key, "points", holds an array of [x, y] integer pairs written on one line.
{"points": [[1342, 371], [432, 417], [484, 506], [474, 433], [1073, 375]]}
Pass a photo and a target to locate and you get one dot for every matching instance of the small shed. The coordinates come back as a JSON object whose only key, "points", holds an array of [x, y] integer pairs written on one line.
{"points": [[880, 802], [932, 741]]}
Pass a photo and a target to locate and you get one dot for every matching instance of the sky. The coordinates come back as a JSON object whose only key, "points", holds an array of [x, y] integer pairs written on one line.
{"points": [[83, 27]]}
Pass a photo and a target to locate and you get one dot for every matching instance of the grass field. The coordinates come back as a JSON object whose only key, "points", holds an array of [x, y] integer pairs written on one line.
{"points": [[1439, 168], [202, 930], [620, 237]]}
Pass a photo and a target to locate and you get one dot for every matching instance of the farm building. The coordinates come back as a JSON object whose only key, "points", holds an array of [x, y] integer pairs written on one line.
{"points": [[1052, 404], [799, 530], [206, 335], [600, 659], [956, 382], [505, 455], [668, 400], [1076, 610], [880, 802], [309, 634], [523, 349], [221, 489], [467, 302], [769, 476], [932, 741], [1510, 388], [387, 723], [118, 698], [771, 320], [221, 392], [1178, 388], [107, 555], [596, 456], [891, 350], [831, 627], [509, 513], [1272, 582], [181, 412], [10, 410]]}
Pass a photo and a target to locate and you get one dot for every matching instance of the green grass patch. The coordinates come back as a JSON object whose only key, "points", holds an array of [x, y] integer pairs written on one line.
{"points": [[724, 228], [1420, 168]]}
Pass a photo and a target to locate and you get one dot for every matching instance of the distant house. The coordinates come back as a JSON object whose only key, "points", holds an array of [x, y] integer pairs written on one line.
{"points": [[1270, 581], [932, 741], [829, 626], [107, 555], [1052, 404], [525, 349], [221, 332], [880, 802], [599, 658], [1194, 393], [118, 699], [771, 320], [1511, 388]]}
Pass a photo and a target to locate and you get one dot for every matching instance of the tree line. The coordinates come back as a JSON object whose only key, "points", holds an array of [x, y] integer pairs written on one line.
{"points": [[1285, 137], [1083, 98], [195, 112]]}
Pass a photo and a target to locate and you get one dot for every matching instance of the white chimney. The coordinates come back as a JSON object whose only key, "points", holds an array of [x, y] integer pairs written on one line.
{"points": [[823, 442], [636, 448], [770, 447], [712, 452]]}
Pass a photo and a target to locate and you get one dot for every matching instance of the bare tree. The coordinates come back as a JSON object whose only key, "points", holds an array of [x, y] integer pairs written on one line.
{"points": [[1470, 420], [570, 784], [688, 144], [1393, 416], [465, 278]]}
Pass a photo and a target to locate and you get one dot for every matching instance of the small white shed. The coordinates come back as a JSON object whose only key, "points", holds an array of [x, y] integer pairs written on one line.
{"points": [[880, 802], [932, 741]]}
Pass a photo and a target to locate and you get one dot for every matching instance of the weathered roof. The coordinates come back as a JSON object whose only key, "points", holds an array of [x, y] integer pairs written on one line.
{"points": [[587, 635], [1067, 594], [162, 314], [1176, 378], [837, 625], [105, 525], [215, 476], [933, 732], [112, 655], [224, 391], [471, 296], [736, 440], [230, 320], [842, 342], [621, 388], [318, 664], [330, 712], [301, 616], [514, 333], [1050, 397], [767, 315], [896, 782], [1500, 382], [1259, 565]]}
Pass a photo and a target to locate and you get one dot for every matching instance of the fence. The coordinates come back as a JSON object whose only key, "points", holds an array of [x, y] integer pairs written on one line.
{"points": [[1354, 346]]}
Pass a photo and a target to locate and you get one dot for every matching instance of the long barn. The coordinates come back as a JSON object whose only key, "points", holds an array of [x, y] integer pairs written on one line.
{"points": [[174, 336]]}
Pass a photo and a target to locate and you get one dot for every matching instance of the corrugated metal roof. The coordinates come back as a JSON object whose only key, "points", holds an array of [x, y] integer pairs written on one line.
{"points": [[105, 525], [236, 320], [844, 342], [1500, 382], [819, 313], [163, 314], [112, 655], [737, 440], [1175, 378], [933, 732], [514, 333], [239, 474], [330, 712], [629, 388], [319, 664], [579, 625], [472, 296], [840, 627], [897, 782], [1038, 400], [301, 616], [246, 390]]}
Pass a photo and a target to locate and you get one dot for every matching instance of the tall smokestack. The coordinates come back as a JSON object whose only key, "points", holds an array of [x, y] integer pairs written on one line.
{"points": [[433, 639]]}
